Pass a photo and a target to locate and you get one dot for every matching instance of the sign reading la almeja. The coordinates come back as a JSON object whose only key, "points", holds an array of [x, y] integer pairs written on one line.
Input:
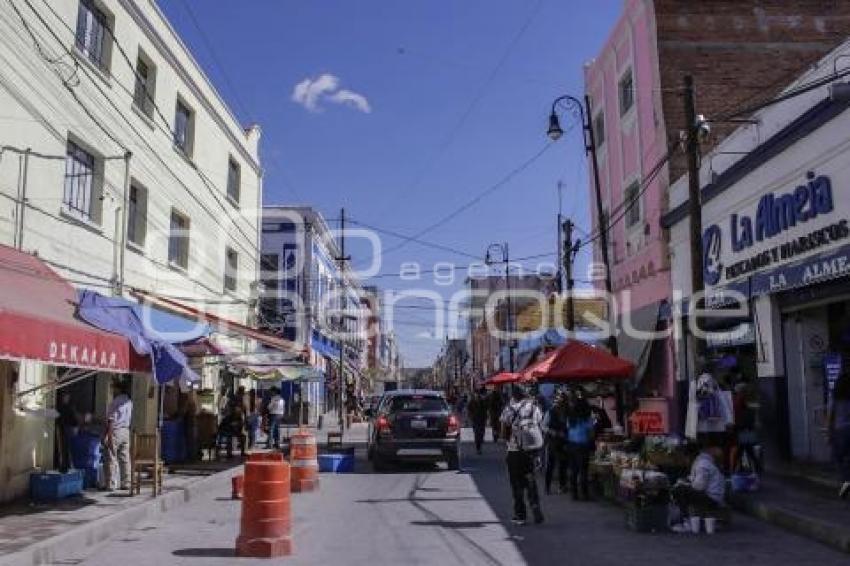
{"points": [[774, 215]]}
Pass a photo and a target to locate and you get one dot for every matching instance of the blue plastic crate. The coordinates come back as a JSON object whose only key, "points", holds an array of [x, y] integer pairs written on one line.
{"points": [[336, 463], [53, 486], [85, 450]]}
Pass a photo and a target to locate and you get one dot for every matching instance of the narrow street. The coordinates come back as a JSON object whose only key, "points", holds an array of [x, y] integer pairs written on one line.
{"points": [[424, 515]]}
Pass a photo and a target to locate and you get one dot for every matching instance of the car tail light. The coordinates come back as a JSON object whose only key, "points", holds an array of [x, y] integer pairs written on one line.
{"points": [[383, 425], [454, 425]]}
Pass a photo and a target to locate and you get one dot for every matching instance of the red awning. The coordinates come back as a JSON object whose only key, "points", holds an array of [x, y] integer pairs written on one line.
{"points": [[218, 322], [37, 321], [503, 378], [578, 361]]}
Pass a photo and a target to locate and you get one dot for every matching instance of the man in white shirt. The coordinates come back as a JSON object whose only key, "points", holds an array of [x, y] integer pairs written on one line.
{"points": [[521, 420], [118, 417], [277, 409]]}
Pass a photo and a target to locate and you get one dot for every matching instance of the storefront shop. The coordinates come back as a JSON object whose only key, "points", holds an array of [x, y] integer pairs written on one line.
{"points": [[776, 260], [45, 350]]}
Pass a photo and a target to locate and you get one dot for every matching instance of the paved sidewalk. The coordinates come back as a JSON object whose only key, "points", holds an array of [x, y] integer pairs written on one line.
{"points": [[803, 507], [37, 533]]}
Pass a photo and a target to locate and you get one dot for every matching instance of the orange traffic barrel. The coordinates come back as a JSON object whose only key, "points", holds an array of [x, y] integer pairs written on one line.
{"points": [[266, 523], [265, 457], [304, 461]]}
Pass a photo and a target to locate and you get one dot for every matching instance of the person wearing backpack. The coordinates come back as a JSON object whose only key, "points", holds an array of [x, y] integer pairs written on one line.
{"points": [[580, 439], [520, 421]]}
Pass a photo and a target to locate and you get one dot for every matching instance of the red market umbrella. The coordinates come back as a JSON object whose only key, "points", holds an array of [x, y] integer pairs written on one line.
{"points": [[578, 361], [503, 378]]}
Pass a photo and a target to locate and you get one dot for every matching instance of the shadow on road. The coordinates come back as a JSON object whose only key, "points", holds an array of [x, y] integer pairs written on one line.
{"points": [[205, 552], [454, 524]]}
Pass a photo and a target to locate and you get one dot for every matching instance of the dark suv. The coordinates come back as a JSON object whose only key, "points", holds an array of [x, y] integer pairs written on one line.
{"points": [[413, 425]]}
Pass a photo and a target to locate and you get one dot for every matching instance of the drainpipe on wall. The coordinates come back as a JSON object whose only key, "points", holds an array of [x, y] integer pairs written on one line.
{"points": [[22, 199], [122, 238]]}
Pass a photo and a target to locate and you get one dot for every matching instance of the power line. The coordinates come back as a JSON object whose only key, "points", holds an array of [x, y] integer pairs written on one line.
{"points": [[415, 240], [479, 95], [216, 61], [475, 200]]}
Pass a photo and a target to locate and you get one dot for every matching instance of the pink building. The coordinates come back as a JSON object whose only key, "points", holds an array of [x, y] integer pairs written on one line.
{"points": [[739, 53]]}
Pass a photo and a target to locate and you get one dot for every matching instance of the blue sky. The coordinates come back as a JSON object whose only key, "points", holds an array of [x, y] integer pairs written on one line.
{"points": [[434, 102]]}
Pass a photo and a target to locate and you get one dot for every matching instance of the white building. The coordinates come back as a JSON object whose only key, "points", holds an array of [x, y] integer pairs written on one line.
{"points": [[309, 298], [121, 167], [775, 219]]}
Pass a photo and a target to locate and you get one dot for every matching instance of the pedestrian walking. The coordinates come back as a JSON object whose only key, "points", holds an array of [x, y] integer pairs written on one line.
{"points": [[277, 409], [495, 408], [118, 417], [254, 418], [521, 420], [555, 432], [236, 420], [839, 430], [478, 411], [580, 439]]}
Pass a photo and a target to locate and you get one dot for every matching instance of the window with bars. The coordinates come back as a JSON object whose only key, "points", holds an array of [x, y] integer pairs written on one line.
{"points": [[137, 205], [80, 191], [144, 89], [178, 240], [231, 269], [631, 200], [627, 92], [93, 34], [184, 126], [234, 180]]}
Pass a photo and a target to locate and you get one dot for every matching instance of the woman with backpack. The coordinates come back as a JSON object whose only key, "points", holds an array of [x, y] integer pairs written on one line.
{"points": [[521, 427], [580, 444]]}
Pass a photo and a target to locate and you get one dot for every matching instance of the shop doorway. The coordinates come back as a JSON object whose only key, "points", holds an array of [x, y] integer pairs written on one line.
{"points": [[807, 343]]}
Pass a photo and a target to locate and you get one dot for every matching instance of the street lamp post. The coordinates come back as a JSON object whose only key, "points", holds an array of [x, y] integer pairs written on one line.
{"points": [[555, 132], [506, 259]]}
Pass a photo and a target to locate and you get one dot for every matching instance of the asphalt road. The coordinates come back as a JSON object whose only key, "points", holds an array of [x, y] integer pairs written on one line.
{"points": [[426, 515]]}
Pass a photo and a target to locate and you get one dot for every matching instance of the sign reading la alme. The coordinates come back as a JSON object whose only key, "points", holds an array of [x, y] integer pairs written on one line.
{"points": [[774, 215]]}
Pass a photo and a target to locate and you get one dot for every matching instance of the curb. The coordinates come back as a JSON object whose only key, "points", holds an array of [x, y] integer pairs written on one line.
{"points": [[79, 541], [836, 536]]}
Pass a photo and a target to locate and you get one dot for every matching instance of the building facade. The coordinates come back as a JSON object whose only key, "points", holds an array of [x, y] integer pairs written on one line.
{"points": [[739, 52], [311, 298], [776, 233], [123, 169]]}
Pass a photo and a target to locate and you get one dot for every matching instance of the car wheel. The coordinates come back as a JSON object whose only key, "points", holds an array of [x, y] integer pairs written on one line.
{"points": [[454, 462]]}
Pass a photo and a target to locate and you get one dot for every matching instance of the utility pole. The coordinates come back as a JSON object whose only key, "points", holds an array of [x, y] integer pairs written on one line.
{"points": [[568, 272], [341, 262], [694, 209], [559, 238]]}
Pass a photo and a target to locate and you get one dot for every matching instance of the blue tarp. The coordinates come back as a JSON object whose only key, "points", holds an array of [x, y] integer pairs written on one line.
{"points": [[128, 319]]}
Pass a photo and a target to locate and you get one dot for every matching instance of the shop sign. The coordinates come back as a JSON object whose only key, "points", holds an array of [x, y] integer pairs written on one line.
{"points": [[822, 267], [647, 422], [832, 366], [77, 354], [775, 215]]}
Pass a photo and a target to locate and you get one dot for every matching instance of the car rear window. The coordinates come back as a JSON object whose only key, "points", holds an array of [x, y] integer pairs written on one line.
{"points": [[415, 404]]}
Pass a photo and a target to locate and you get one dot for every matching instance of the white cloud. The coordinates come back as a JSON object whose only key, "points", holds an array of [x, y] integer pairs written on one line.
{"points": [[310, 92], [353, 99]]}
